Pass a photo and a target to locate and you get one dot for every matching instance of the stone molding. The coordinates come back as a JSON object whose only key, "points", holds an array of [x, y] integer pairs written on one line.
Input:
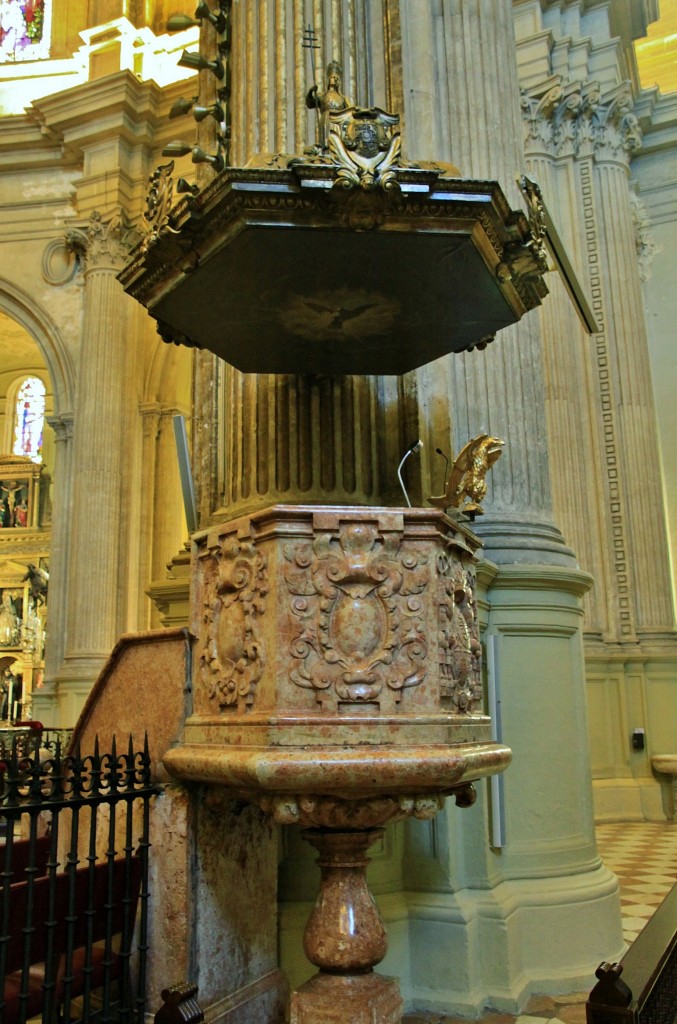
{"points": [[62, 426]]}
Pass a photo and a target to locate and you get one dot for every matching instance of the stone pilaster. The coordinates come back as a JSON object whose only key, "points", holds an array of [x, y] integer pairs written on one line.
{"points": [[169, 528], [99, 477], [44, 700], [606, 456], [150, 423]]}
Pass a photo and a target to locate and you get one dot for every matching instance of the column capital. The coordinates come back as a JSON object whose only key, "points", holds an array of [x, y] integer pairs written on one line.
{"points": [[150, 418], [104, 242], [574, 119]]}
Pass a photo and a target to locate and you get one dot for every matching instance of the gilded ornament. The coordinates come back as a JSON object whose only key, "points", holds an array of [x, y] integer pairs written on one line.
{"points": [[326, 103], [467, 477], [158, 204], [365, 146]]}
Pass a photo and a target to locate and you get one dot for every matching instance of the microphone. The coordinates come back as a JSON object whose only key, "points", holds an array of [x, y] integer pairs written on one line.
{"points": [[446, 468], [415, 447]]}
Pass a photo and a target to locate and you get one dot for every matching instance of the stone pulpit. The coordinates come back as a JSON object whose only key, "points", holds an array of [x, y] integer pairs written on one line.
{"points": [[337, 678]]}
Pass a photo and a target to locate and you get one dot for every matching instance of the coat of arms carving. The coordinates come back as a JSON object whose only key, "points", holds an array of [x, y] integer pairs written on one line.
{"points": [[355, 596], [365, 145]]}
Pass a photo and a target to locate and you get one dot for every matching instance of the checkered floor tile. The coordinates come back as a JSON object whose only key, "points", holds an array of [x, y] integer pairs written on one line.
{"points": [[644, 857]]}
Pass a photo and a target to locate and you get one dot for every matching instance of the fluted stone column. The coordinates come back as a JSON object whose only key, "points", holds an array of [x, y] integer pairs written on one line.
{"points": [[99, 478], [45, 705], [574, 448], [297, 438], [580, 138], [462, 105], [640, 547], [604, 456]]}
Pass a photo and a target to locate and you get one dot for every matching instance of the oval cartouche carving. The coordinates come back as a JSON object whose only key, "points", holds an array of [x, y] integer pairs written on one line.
{"points": [[357, 625]]}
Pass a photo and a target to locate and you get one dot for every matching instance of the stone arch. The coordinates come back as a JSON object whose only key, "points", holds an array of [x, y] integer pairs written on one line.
{"points": [[21, 307], [161, 384]]}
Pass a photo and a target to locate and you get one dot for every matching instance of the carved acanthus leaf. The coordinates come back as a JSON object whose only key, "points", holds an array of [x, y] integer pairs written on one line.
{"points": [[574, 119]]}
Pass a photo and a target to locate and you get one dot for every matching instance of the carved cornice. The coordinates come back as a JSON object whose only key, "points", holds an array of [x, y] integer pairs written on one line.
{"points": [[103, 244], [574, 119], [62, 426]]}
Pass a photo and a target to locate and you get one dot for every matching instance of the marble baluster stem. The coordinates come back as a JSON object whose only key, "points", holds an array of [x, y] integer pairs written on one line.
{"points": [[344, 933], [345, 937]]}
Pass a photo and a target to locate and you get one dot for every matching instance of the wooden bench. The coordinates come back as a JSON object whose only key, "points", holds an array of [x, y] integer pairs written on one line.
{"points": [[648, 989], [65, 949], [20, 858]]}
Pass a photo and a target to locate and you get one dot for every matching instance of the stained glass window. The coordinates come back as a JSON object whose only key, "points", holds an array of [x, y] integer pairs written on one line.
{"points": [[30, 418], [24, 29]]}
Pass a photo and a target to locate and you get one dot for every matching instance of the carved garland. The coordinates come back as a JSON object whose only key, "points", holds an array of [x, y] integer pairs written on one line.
{"points": [[232, 660], [355, 600]]}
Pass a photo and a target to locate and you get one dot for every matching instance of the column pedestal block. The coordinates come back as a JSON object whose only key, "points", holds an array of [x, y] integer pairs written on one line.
{"points": [[360, 999]]}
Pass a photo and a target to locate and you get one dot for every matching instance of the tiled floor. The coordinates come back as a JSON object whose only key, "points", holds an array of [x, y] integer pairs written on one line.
{"points": [[644, 857]]}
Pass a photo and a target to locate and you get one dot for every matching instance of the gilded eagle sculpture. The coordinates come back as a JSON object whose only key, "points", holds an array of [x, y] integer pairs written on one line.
{"points": [[466, 479]]}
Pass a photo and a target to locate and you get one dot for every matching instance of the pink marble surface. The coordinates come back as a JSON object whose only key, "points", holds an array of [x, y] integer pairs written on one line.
{"points": [[142, 688]]}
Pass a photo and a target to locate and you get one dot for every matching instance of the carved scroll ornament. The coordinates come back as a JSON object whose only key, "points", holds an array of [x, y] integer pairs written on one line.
{"points": [[458, 639], [355, 599], [232, 660]]}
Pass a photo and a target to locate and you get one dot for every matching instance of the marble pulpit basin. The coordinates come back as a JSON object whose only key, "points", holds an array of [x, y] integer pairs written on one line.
{"points": [[337, 656]]}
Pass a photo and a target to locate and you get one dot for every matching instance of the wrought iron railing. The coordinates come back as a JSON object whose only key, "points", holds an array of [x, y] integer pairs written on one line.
{"points": [[25, 737], [74, 875]]}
